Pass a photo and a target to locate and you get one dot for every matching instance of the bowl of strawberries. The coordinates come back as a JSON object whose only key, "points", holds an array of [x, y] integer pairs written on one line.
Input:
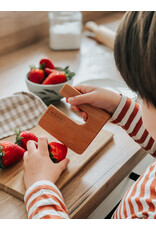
{"points": [[47, 80]]}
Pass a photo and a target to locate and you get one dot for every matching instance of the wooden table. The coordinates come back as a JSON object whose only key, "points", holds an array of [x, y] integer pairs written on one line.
{"points": [[103, 173]]}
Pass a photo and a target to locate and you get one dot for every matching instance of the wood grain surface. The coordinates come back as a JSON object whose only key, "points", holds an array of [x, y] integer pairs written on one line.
{"points": [[78, 136], [11, 180]]}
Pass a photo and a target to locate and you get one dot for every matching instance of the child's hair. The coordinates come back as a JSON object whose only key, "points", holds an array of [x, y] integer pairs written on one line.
{"points": [[135, 53]]}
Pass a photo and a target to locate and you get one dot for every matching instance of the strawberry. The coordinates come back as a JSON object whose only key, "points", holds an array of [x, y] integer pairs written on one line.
{"points": [[46, 63], [36, 75], [57, 151], [23, 137], [10, 154], [55, 78], [60, 75], [48, 71]]}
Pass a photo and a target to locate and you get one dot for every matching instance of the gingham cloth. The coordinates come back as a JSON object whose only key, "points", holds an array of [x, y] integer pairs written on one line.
{"points": [[21, 110]]}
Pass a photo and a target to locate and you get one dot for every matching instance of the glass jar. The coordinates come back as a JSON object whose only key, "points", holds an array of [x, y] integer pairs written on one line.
{"points": [[65, 28]]}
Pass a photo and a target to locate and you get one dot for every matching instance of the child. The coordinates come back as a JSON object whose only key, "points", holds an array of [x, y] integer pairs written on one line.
{"points": [[135, 57]]}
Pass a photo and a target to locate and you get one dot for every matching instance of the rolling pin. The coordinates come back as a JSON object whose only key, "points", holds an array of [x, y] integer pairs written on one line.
{"points": [[102, 34]]}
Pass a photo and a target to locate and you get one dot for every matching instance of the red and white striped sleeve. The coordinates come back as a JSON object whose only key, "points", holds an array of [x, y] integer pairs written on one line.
{"points": [[140, 200], [43, 200], [128, 116]]}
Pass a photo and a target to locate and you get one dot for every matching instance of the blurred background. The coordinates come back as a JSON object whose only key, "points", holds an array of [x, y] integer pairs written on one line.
{"points": [[22, 28], [82, 40]]}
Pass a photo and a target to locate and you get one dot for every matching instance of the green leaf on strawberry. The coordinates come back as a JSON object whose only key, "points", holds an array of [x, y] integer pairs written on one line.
{"points": [[2, 154], [23, 137], [51, 155], [49, 148], [32, 67], [42, 66], [1, 163], [68, 73], [1, 149], [54, 160], [18, 137]]}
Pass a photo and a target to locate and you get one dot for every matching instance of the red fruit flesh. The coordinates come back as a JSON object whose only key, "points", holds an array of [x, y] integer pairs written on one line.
{"points": [[12, 153], [46, 63], [55, 78], [49, 71], [58, 151], [36, 75]]}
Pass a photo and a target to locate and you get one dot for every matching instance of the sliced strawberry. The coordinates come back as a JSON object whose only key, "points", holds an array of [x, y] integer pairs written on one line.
{"points": [[48, 71], [55, 78], [57, 151], [23, 137], [46, 63], [10, 154]]}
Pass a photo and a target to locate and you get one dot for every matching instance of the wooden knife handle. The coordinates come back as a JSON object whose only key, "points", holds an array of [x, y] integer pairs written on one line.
{"points": [[68, 91], [76, 136]]}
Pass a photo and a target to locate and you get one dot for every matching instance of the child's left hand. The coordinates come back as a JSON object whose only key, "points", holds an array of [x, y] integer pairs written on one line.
{"points": [[38, 165]]}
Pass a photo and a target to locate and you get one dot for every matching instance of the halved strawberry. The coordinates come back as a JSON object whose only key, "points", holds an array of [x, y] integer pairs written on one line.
{"points": [[48, 71], [55, 78], [59, 75], [57, 151]]}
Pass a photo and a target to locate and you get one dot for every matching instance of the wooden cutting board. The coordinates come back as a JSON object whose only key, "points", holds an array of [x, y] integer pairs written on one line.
{"points": [[11, 180]]}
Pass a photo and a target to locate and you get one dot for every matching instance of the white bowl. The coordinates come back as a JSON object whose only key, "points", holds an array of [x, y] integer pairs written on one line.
{"points": [[48, 93]]}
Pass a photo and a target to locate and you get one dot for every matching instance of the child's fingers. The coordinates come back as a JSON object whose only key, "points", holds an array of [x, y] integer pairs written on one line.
{"points": [[63, 164], [36, 143], [81, 99], [77, 109], [25, 157], [31, 146], [84, 116], [43, 145], [84, 88]]}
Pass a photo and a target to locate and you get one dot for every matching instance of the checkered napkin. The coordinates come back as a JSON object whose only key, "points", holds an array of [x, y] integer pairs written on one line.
{"points": [[21, 110]]}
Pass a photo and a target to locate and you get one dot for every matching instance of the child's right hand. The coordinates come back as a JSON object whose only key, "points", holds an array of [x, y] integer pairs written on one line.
{"points": [[95, 96], [38, 165]]}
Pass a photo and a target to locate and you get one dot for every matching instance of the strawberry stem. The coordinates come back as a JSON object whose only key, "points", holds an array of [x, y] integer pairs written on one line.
{"points": [[32, 67], [1, 163], [68, 73], [1, 155], [51, 155], [18, 138], [17, 131], [1, 149], [42, 66], [49, 148], [54, 160]]}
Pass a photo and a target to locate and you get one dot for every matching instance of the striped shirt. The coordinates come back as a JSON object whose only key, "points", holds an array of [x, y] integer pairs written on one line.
{"points": [[44, 200]]}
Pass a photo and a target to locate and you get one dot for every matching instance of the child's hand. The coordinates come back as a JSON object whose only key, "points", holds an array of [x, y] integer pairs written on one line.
{"points": [[96, 96], [38, 165]]}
